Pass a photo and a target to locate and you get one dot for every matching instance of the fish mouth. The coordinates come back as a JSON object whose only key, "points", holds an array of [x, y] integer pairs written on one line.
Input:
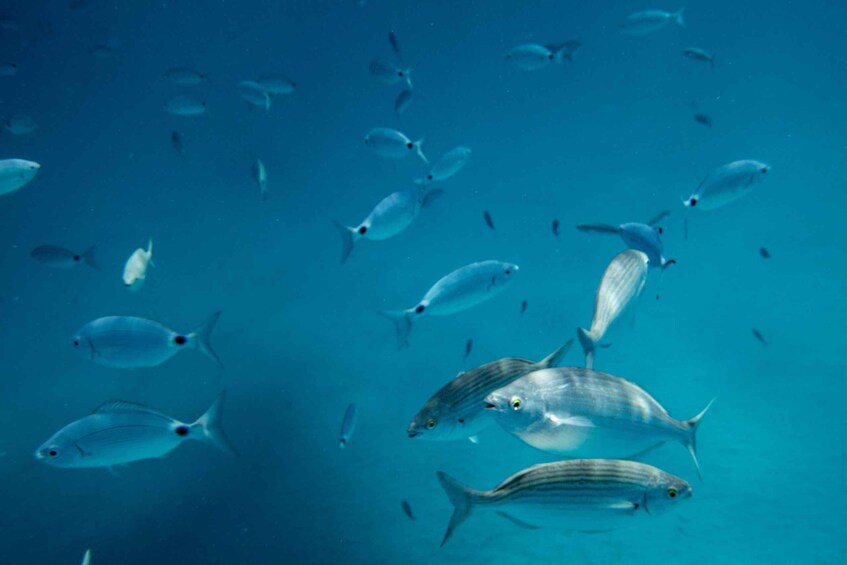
{"points": [[412, 432], [39, 455], [489, 406]]}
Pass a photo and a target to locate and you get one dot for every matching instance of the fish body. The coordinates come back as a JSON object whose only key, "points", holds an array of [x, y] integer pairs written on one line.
{"points": [[402, 101], [488, 221], [565, 50], [468, 348], [348, 425], [260, 175], [183, 76], [698, 54], [531, 57], [8, 69], [392, 144], [622, 282], [126, 342], [277, 84], [407, 508], [585, 413], [586, 495], [135, 269], [388, 73], [451, 163], [255, 94], [462, 289], [647, 239], [555, 228], [392, 39], [703, 119], [121, 432], [86, 559], [20, 125], [648, 21], [61, 258], [764, 253], [185, 105], [524, 304], [16, 173], [176, 141], [727, 184], [457, 410], [758, 335]]}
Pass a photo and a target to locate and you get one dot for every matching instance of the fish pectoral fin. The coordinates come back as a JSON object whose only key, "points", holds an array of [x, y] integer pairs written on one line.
{"points": [[577, 421], [516, 521], [625, 506]]}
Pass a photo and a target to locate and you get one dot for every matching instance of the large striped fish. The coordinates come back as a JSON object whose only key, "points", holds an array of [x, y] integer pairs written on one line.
{"points": [[456, 410], [585, 413], [622, 282], [586, 495]]}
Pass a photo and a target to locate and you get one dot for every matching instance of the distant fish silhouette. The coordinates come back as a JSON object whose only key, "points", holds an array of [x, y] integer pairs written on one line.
{"points": [[392, 39], [407, 508], [487, 217], [524, 304], [765, 253], [176, 141], [556, 228], [704, 119], [758, 335], [468, 348]]}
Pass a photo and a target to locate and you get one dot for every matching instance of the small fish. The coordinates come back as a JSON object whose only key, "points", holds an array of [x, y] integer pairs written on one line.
{"points": [[622, 282], [16, 173], [125, 342], [726, 184], [698, 54], [86, 559], [583, 413], [255, 94], [555, 228], [135, 270], [186, 105], [61, 258], [764, 253], [391, 216], [646, 237], [277, 84], [468, 347], [183, 76], [758, 335], [586, 495], [403, 100], [457, 410], [648, 21], [348, 425], [176, 141], [407, 508], [704, 119], [461, 289], [451, 163], [392, 144], [8, 69], [260, 175], [20, 125], [489, 222], [388, 73], [119, 432], [531, 57], [524, 304], [392, 39]]}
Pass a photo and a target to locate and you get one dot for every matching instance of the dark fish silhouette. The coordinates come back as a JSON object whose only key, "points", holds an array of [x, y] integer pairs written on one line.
{"points": [[758, 335], [704, 119], [392, 39], [176, 141], [487, 217], [556, 228], [765, 253], [402, 101], [524, 304], [407, 508], [468, 347]]}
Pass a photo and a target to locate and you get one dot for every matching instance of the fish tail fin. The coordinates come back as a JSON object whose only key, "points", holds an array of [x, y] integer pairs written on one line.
{"points": [[88, 257], [348, 238], [589, 343], [691, 443], [667, 263], [419, 149], [601, 228], [678, 17], [461, 497], [201, 337], [430, 196], [556, 357], [212, 425], [402, 320]]}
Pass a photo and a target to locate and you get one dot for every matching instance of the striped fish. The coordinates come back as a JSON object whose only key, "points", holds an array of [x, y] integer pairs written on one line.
{"points": [[622, 281], [457, 410], [584, 413], [586, 495]]}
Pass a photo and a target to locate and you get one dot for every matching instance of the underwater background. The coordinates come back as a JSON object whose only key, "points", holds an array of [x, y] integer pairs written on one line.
{"points": [[608, 137]]}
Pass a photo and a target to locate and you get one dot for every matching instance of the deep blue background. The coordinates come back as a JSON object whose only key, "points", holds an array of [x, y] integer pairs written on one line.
{"points": [[608, 138]]}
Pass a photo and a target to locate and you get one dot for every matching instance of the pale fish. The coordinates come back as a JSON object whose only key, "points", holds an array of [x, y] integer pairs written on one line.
{"points": [[462, 289], [388, 73], [277, 84], [183, 76], [451, 163], [698, 54], [648, 21], [457, 410], [86, 559], [185, 105], [260, 175], [20, 124], [121, 432], [727, 184], [392, 144], [348, 425], [61, 258], [584, 413], [16, 173], [531, 57], [126, 342], [255, 94], [135, 269], [586, 495], [622, 282], [645, 237]]}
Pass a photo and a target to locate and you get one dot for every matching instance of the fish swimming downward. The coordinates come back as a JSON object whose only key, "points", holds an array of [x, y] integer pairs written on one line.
{"points": [[119, 432], [462, 289], [135, 270], [61, 258], [254, 94], [126, 342], [457, 410], [585, 495], [348, 425], [585, 413], [260, 177], [622, 282]]}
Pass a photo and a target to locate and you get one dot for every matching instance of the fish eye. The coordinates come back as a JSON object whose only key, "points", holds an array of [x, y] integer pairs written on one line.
{"points": [[399, 73], [76, 343], [431, 423], [516, 403], [53, 452], [661, 231], [693, 202], [508, 271], [672, 492], [410, 145], [363, 230], [764, 169]]}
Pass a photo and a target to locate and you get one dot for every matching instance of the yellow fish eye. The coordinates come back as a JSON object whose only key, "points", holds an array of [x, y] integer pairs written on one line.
{"points": [[516, 403], [672, 492], [430, 423]]}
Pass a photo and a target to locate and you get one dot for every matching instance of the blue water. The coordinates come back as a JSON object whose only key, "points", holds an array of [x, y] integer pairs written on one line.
{"points": [[607, 138]]}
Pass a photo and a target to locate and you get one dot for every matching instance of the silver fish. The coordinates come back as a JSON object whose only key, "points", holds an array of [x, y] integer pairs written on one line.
{"points": [[392, 144], [16, 173], [388, 73], [61, 258], [121, 432], [462, 289], [643, 237], [391, 216], [585, 413], [648, 21], [255, 94], [451, 163], [20, 124], [403, 100], [260, 175], [277, 84], [185, 105], [586, 495], [128, 343], [86, 559], [531, 57], [622, 282], [183, 76], [727, 184], [457, 410], [698, 54], [348, 425]]}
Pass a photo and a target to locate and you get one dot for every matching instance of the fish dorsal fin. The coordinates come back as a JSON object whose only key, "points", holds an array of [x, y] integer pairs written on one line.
{"points": [[122, 406]]}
